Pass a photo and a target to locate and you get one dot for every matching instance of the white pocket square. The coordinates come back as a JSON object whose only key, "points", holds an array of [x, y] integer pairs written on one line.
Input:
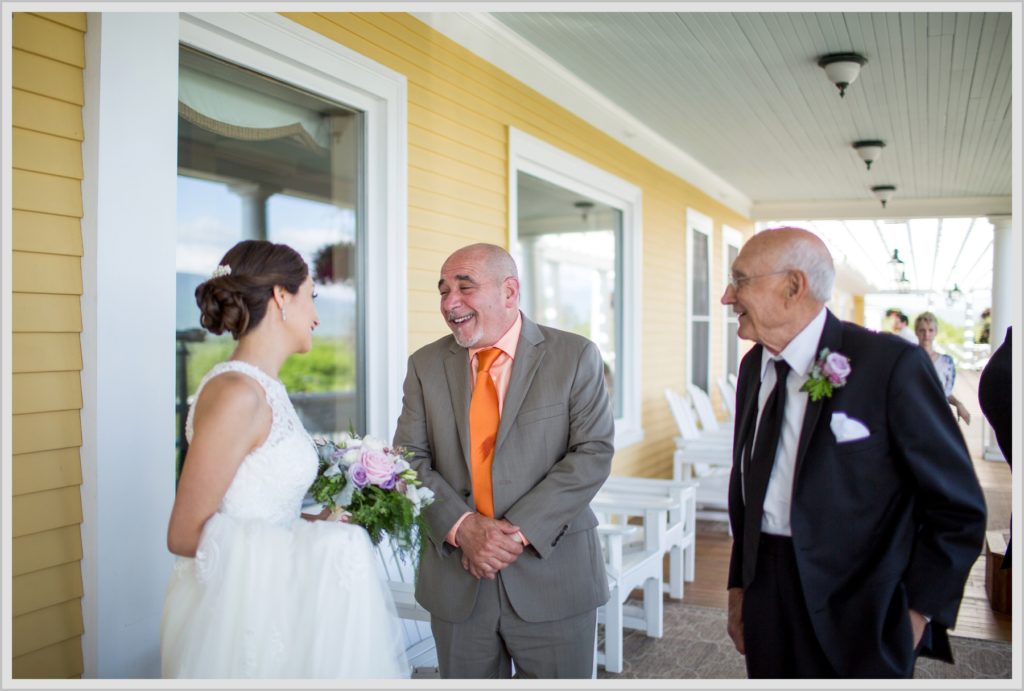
{"points": [[848, 429]]}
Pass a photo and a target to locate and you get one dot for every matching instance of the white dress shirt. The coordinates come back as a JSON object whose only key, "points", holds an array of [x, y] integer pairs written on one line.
{"points": [[800, 354]]}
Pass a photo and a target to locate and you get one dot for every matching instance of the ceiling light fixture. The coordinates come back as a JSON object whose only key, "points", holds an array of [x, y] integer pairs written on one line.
{"points": [[883, 193], [954, 295], [584, 207], [869, 150], [842, 68]]}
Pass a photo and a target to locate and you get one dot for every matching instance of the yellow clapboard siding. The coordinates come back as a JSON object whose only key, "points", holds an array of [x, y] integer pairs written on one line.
{"points": [[494, 143], [458, 208], [39, 511], [429, 159], [47, 77], [470, 231], [45, 431], [46, 352], [46, 233], [460, 188], [44, 114], [47, 626], [457, 151], [39, 35], [42, 550], [34, 272], [45, 153], [431, 240], [40, 312], [52, 194], [43, 470], [75, 20], [37, 392], [61, 660], [423, 100], [46, 587]]}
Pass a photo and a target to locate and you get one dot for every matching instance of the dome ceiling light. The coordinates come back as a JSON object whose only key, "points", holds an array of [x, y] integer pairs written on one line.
{"points": [[869, 150], [842, 68], [883, 193]]}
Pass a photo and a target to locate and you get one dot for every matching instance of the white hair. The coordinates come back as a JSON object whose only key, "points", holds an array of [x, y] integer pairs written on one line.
{"points": [[813, 259]]}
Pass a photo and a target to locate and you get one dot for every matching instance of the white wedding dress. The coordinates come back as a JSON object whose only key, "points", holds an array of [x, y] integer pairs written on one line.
{"points": [[268, 594]]}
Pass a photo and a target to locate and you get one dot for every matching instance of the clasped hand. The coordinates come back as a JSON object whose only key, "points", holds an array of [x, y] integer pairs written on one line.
{"points": [[488, 545]]}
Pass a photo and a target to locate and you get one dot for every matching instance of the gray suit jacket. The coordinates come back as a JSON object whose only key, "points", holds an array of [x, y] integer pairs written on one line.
{"points": [[553, 452]]}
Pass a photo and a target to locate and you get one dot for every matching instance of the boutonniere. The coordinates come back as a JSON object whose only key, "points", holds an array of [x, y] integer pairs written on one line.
{"points": [[829, 372]]}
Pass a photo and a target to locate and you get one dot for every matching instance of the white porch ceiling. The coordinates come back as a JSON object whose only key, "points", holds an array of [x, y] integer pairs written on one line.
{"points": [[738, 105], [735, 103]]}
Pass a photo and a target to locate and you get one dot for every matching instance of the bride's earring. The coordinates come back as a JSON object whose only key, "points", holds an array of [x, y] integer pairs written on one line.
{"points": [[284, 315]]}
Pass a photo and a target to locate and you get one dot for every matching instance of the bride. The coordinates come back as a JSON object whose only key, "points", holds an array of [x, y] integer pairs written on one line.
{"points": [[257, 591]]}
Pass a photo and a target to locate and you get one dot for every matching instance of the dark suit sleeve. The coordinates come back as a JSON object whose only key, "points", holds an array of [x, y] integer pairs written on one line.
{"points": [[949, 506], [411, 434], [574, 479]]}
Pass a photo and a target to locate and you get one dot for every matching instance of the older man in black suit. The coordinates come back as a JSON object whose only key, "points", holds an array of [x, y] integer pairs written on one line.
{"points": [[855, 509]]}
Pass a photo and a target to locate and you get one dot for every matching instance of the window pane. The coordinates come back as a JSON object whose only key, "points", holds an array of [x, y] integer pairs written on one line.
{"points": [[732, 343], [571, 272], [699, 373], [701, 275], [258, 159]]}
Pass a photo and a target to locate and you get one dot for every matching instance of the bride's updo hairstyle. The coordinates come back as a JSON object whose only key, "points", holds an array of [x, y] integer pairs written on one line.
{"points": [[235, 297]]}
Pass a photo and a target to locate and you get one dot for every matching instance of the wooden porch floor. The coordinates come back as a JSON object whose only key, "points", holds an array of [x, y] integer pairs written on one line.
{"points": [[976, 618]]}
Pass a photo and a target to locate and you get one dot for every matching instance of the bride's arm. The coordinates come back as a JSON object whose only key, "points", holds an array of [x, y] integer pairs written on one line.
{"points": [[232, 418]]}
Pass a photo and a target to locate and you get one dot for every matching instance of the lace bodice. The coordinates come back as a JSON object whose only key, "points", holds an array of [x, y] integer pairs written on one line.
{"points": [[273, 478]]}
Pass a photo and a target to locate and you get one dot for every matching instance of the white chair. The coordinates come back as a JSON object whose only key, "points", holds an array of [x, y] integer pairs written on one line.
{"points": [[420, 648], [680, 530], [628, 568], [732, 380], [728, 392], [706, 459]]}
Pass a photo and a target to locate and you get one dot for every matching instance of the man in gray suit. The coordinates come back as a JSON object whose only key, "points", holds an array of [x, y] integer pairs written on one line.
{"points": [[517, 575]]}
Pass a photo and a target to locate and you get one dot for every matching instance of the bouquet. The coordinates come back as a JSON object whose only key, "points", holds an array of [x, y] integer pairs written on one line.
{"points": [[363, 481]]}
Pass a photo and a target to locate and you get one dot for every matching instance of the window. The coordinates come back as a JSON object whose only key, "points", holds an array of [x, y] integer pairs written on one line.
{"points": [[576, 238], [258, 159], [733, 240], [698, 253]]}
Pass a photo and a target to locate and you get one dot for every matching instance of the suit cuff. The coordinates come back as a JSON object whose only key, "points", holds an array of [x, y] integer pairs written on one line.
{"points": [[450, 537]]}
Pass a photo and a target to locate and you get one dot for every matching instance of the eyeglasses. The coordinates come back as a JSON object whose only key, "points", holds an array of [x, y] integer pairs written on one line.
{"points": [[736, 282]]}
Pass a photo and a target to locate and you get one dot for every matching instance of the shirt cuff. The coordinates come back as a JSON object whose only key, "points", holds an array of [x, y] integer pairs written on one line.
{"points": [[450, 537], [522, 538]]}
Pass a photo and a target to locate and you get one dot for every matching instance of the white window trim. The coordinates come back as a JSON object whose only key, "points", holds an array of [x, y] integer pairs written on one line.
{"points": [[696, 221], [540, 159], [129, 235], [730, 238]]}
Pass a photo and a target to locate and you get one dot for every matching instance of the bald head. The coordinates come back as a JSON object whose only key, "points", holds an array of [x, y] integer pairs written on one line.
{"points": [[796, 249], [479, 287], [494, 261]]}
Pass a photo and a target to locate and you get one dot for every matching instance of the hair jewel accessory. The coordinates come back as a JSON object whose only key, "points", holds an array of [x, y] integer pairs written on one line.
{"points": [[222, 270]]}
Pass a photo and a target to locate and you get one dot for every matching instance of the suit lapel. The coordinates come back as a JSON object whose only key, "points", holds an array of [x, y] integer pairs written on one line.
{"points": [[831, 338], [456, 369], [748, 412], [529, 353]]}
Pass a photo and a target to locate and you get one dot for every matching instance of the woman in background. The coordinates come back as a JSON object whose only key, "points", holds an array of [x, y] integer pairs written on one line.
{"points": [[926, 326]]}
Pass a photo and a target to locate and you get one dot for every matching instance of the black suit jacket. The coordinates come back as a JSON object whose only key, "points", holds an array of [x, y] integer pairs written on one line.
{"points": [[882, 524]]}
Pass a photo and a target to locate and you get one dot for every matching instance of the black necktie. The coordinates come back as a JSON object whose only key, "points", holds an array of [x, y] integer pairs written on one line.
{"points": [[760, 469]]}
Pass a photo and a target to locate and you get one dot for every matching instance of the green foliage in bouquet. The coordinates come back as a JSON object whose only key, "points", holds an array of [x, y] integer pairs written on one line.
{"points": [[366, 483]]}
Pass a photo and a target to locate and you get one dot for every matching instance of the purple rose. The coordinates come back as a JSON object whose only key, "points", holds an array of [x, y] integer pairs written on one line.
{"points": [[836, 368], [379, 467], [357, 475], [388, 483]]}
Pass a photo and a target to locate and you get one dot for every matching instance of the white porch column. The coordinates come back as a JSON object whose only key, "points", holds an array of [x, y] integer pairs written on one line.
{"points": [[128, 231], [1002, 304], [1002, 277]]}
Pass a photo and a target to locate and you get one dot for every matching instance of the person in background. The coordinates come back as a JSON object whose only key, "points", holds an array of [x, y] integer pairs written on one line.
{"points": [[926, 326], [900, 325]]}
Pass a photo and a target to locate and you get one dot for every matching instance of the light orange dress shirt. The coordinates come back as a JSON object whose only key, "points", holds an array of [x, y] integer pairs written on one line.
{"points": [[501, 375]]}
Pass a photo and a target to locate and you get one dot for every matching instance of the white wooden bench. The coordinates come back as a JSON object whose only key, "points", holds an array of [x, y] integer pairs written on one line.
{"points": [[628, 568], [681, 526], [705, 458]]}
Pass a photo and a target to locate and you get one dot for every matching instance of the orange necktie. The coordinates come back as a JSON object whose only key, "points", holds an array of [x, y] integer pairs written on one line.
{"points": [[483, 430]]}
